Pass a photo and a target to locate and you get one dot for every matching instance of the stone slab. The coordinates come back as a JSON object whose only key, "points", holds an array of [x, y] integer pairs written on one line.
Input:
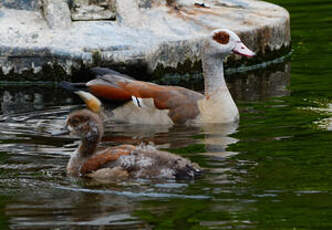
{"points": [[21, 4], [154, 37], [87, 10]]}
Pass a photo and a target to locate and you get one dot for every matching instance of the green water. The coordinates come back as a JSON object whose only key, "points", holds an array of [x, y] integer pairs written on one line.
{"points": [[271, 171], [293, 157]]}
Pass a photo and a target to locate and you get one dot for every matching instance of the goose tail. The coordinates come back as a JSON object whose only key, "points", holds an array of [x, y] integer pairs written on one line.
{"points": [[92, 102]]}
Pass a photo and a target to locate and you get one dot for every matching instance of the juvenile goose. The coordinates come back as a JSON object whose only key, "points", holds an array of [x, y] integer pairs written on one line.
{"points": [[120, 162], [149, 103]]}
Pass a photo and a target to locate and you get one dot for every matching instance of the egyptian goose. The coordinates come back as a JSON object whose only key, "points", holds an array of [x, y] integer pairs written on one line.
{"points": [[145, 102], [119, 162]]}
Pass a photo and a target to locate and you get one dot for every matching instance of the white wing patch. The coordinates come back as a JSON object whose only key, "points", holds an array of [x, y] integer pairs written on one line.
{"points": [[144, 162], [167, 173], [127, 161], [137, 101], [148, 114]]}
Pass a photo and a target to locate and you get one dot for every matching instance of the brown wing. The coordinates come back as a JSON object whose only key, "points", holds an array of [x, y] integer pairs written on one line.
{"points": [[106, 156], [181, 102]]}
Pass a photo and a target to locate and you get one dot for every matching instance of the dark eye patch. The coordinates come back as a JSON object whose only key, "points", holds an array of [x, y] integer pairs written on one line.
{"points": [[221, 37]]}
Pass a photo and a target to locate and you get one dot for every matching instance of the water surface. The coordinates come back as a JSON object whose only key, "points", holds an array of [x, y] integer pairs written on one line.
{"points": [[270, 171]]}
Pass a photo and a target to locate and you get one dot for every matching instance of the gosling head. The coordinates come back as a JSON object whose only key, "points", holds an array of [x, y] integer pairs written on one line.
{"points": [[85, 124], [222, 42]]}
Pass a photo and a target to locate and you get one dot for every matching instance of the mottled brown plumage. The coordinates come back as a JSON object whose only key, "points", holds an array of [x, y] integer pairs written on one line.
{"points": [[104, 157], [120, 162]]}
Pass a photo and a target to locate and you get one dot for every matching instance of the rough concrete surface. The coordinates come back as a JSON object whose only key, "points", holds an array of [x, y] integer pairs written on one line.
{"points": [[87, 10], [156, 36]]}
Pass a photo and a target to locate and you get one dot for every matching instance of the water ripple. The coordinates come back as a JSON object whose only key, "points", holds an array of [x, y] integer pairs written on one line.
{"points": [[135, 194]]}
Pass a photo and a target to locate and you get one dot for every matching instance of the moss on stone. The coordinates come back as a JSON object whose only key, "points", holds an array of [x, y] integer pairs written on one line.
{"points": [[53, 72], [48, 72], [138, 69], [190, 67], [96, 57], [186, 67]]}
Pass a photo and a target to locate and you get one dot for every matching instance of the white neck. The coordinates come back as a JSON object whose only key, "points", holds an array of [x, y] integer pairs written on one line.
{"points": [[213, 72], [218, 105]]}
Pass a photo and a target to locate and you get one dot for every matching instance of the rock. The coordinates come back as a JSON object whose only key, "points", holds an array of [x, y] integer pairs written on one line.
{"points": [[31, 5], [85, 10], [148, 38], [56, 13]]}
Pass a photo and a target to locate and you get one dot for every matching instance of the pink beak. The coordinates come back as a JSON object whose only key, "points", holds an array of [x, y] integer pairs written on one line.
{"points": [[241, 49]]}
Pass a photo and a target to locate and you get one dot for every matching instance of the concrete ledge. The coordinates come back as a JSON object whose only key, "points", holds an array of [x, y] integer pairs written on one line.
{"points": [[147, 37]]}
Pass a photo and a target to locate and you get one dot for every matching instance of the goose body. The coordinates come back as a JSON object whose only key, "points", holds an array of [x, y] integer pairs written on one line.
{"points": [[120, 162], [149, 103]]}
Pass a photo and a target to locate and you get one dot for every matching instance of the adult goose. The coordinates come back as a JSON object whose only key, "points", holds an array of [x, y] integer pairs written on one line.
{"points": [[119, 162], [149, 103]]}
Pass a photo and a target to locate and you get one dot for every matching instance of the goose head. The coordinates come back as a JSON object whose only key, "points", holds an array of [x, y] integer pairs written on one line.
{"points": [[222, 42], [85, 124]]}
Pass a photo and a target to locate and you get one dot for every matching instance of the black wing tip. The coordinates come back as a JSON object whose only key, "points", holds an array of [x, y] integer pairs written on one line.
{"points": [[68, 86], [189, 172], [100, 71]]}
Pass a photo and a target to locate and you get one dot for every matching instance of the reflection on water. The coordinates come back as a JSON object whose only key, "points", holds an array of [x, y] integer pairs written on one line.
{"points": [[15, 99], [32, 165], [261, 84]]}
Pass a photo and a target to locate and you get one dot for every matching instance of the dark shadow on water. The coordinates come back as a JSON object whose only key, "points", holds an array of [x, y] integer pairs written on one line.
{"points": [[261, 84], [28, 99]]}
